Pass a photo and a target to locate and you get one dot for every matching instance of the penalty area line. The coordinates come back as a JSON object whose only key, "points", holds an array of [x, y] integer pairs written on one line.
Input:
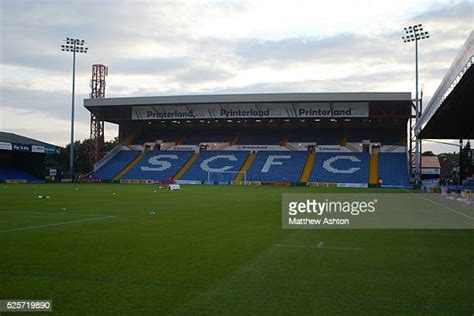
{"points": [[55, 224]]}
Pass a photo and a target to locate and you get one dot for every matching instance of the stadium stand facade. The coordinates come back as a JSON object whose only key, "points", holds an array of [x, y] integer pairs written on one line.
{"points": [[352, 139]]}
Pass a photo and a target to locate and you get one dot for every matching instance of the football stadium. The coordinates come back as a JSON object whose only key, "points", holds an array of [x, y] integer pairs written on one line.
{"points": [[211, 204]]}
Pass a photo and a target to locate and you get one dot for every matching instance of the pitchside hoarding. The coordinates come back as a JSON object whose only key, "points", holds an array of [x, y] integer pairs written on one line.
{"points": [[251, 110]]}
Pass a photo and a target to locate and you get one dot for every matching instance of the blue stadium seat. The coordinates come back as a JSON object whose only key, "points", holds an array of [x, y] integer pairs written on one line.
{"points": [[7, 173], [217, 161], [393, 169], [469, 184], [158, 165], [114, 165], [340, 168], [274, 166]]}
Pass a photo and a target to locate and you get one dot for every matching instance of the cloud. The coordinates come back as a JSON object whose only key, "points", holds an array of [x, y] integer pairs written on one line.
{"points": [[154, 66], [163, 48], [340, 47], [54, 104], [200, 74], [446, 14]]}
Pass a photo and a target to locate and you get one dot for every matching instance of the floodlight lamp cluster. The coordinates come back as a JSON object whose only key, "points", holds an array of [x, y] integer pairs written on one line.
{"points": [[74, 45], [415, 33]]}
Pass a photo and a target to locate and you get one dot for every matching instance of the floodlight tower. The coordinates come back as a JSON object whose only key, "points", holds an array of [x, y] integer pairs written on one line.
{"points": [[74, 46], [99, 72], [415, 33]]}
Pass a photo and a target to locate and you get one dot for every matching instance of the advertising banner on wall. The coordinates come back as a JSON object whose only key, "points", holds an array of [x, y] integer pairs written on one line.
{"points": [[29, 148], [37, 149], [430, 170], [251, 110], [52, 150], [331, 148], [257, 147], [21, 147], [5, 146]]}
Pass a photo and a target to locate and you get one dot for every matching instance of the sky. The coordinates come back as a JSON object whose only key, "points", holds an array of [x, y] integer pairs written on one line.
{"points": [[201, 47]]}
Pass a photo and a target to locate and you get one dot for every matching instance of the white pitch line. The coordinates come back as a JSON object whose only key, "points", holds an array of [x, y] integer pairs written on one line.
{"points": [[294, 246], [55, 224], [317, 247], [342, 248], [320, 244], [50, 213], [447, 207]]}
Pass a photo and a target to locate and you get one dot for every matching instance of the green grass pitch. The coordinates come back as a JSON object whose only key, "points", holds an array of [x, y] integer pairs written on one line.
{"points": [[211, 250]]}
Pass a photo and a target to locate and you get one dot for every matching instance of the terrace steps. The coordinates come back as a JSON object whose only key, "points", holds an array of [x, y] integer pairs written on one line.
{"points": [[186, 166], [373, 169], [245, 166], [124, 170], [307, 167]]}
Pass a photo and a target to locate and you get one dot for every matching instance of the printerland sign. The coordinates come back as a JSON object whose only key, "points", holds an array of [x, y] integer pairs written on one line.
{"points": [[252, 110]]}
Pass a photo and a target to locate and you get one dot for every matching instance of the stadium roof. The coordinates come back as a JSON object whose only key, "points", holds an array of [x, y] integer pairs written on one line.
{"points": [[261, 97], [14, 138], [450, 113]]}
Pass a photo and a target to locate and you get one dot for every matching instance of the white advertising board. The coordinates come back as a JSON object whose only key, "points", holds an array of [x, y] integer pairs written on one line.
{"points": [[251, 110]]}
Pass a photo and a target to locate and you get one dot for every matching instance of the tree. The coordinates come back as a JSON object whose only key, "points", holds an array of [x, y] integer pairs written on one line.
{"points": [[109, 145], [448, 161]]}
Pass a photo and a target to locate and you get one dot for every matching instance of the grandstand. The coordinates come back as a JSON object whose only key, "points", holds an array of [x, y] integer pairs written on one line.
{"points": [[8, 174], [344, 139], [450, 114], [22, 158]]}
